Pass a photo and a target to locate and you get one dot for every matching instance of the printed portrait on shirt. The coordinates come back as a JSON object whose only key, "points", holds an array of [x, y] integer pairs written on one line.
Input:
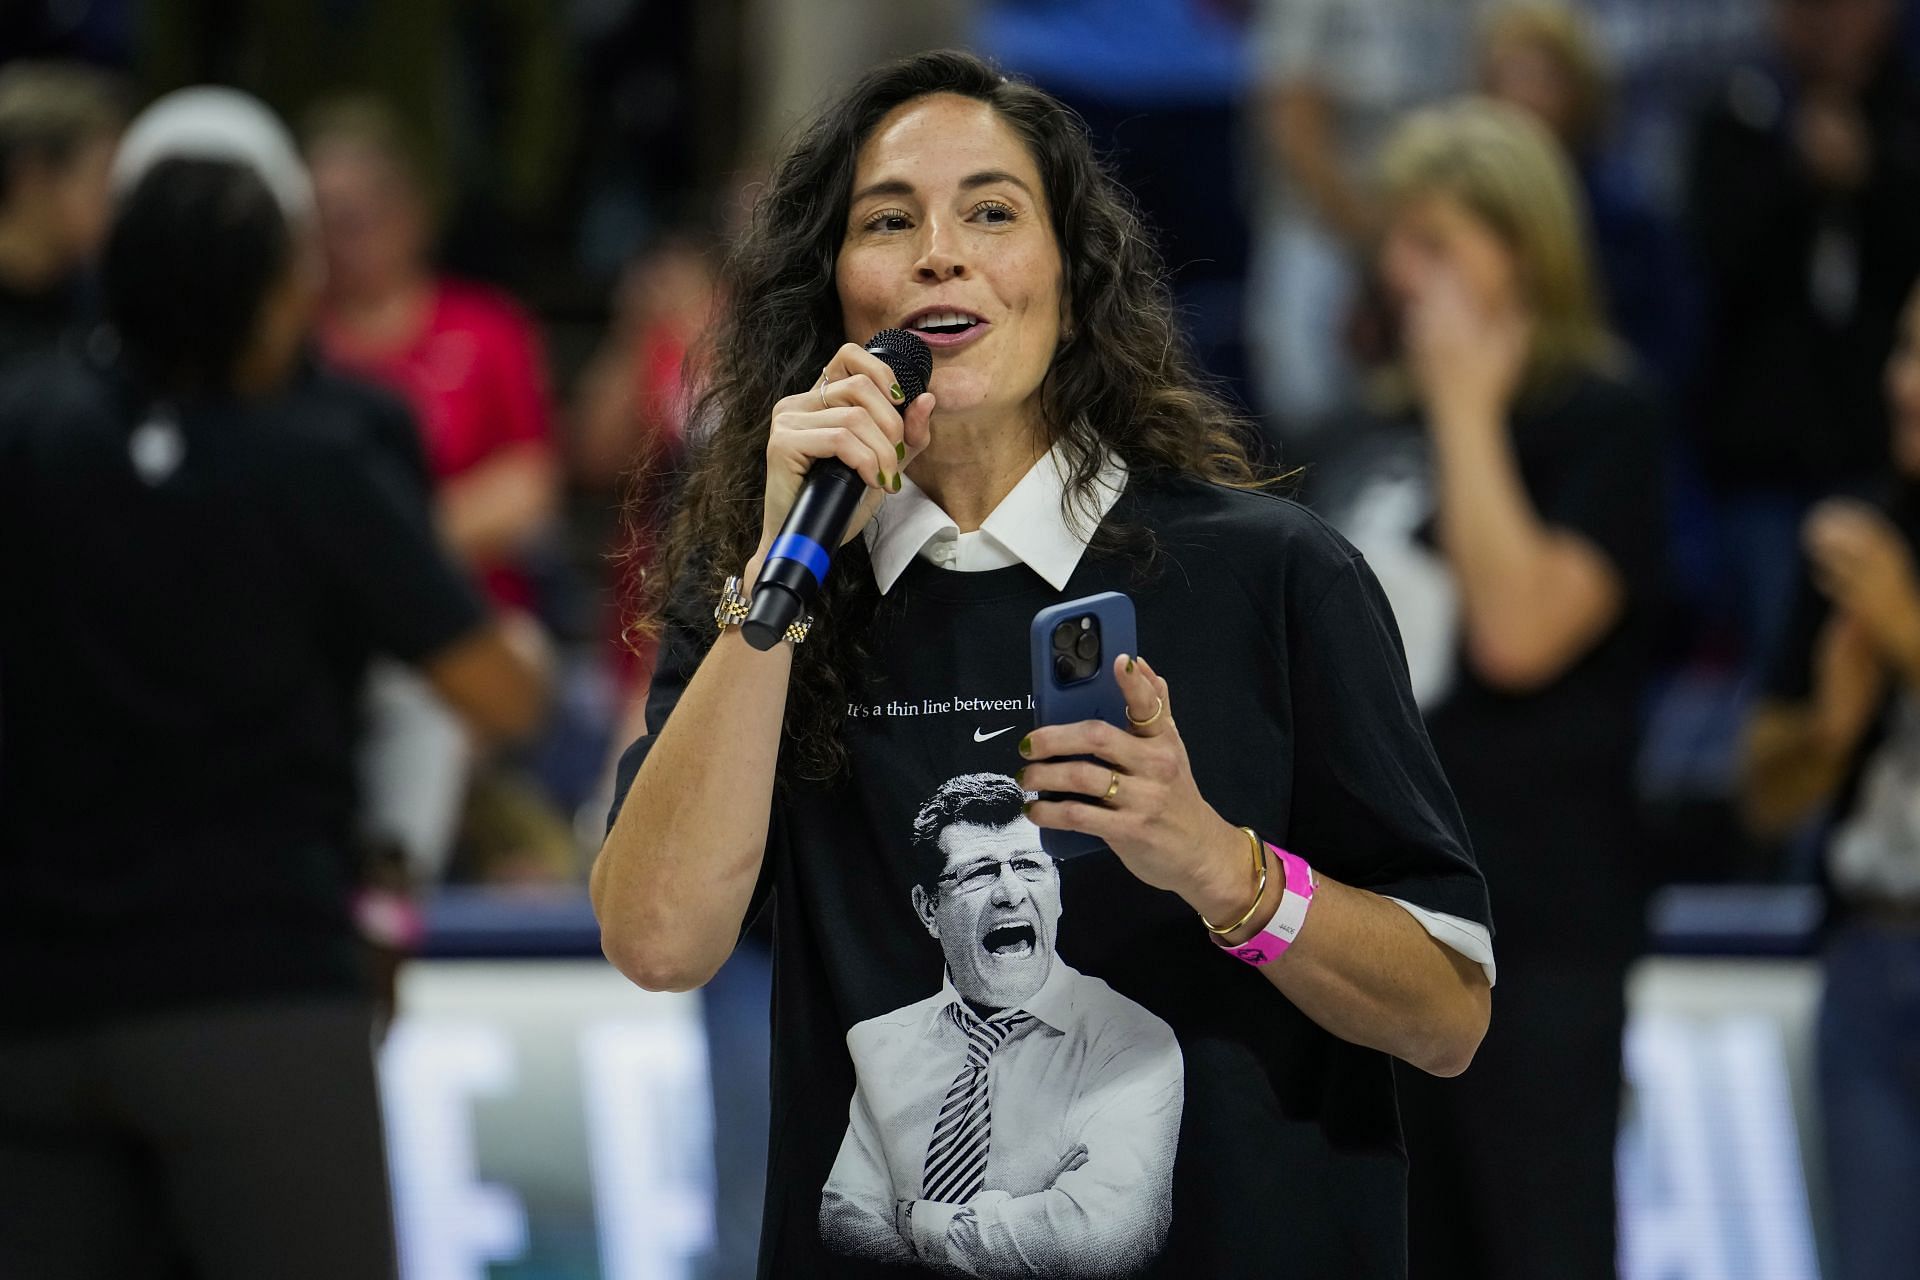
{"points": [[1021, 1120]]}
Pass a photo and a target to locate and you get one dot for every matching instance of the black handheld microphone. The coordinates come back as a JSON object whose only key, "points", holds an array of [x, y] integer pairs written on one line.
{"points": [[798, 561]]}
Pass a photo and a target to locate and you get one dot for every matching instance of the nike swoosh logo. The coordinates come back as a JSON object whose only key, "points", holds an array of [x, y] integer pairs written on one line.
{"points": [[982, 737]]}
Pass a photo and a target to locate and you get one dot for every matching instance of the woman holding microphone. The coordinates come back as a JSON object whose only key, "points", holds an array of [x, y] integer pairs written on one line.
{"points": [[1171, 1053]]}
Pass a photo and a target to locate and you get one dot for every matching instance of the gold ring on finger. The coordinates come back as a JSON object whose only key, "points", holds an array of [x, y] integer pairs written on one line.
{"points": [[823, 391], [1159, 705], [1113, 788]]}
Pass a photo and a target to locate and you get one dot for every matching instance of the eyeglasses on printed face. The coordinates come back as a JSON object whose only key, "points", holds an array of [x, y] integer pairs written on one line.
{"points": [[1031, 867]]}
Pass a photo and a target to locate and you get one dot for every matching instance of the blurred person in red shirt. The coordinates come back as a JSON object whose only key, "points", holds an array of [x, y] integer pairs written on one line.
{"points": [[466, 357], [630, 416], [634, 392], [58, 126], [469, 362]]}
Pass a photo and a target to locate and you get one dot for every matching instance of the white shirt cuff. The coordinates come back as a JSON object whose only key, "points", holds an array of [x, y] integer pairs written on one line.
{"points": [[1465, 936], [931, 1219]]}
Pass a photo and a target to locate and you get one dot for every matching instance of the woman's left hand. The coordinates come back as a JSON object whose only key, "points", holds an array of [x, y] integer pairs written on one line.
{"points": [[1142, 799]]}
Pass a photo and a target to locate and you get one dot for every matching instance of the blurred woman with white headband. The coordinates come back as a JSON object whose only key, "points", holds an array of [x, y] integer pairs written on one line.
{"points": [[207, 557]]}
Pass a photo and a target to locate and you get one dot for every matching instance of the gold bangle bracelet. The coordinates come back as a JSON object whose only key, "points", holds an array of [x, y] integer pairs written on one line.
{"points": [[1259, 888]]}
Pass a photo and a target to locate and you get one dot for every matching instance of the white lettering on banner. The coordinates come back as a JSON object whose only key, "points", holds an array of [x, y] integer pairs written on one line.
{"points": [[453, 1224], [650, 1145], [1710, 1182], [509, 1068]]}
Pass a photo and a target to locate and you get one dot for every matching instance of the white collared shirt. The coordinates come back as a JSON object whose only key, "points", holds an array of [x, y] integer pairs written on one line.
{"points": [[1030, 527]]}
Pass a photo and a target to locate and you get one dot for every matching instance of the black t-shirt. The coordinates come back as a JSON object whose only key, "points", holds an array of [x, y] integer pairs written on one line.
{"points": [[1545, 777], [386, 423], [190, 608], [34, 321], [1873, 844], [1156, 1106]]}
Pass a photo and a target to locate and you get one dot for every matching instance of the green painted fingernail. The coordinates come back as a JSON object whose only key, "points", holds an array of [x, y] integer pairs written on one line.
{"points": [[1129, 665], [896, 482], [900, 450], [1026, 745], [897, 394]]}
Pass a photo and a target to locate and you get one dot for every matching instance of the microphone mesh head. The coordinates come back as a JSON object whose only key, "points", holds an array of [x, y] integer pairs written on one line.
{"points": [[910, 358]]}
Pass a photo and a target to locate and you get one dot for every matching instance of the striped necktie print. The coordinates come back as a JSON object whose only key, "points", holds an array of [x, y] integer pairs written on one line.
{"points": [[957, 1156]]}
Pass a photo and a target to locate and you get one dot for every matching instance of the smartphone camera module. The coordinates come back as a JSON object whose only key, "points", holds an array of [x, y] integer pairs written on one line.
{"points": [[1076, 649]]}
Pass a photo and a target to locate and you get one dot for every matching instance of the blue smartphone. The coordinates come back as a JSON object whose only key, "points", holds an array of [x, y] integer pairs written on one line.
{"points": [[1072, 646]]}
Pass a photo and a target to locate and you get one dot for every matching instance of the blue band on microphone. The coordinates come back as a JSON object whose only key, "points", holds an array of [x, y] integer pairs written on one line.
{"points": [[799, 547]]}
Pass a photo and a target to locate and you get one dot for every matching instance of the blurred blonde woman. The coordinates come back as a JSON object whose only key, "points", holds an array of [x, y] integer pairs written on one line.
{"points": [[1512, 510]]}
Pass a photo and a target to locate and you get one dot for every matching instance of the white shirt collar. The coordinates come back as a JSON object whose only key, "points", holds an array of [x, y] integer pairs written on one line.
{"points": [[1029, 526], [1052, 1004]]}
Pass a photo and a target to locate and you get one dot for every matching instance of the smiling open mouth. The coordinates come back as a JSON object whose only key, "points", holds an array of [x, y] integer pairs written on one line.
{"points": [[1009, 940], [944, 323]]}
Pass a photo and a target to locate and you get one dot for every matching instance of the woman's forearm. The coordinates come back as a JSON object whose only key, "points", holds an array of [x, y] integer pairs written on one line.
{"points": [[1364, 969], [500, 506], [1791, 766], [1492, 535], [1533, 597], [1361, 967], [673, 880]]}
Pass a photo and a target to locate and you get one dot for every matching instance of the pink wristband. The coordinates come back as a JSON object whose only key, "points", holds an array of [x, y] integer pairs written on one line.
{"points": [[388, 918], [1266, 946]]}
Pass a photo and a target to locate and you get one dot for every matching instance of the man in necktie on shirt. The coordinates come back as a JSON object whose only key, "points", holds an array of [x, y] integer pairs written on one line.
{"points": [[1023, 1120]]}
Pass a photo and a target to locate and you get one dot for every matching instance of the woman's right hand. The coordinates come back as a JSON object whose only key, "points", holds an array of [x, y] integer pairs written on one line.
{"points": [[1466, 360], [854, 416]]}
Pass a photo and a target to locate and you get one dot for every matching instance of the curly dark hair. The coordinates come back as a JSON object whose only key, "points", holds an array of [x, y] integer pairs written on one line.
{"points": [[1121, 382]]}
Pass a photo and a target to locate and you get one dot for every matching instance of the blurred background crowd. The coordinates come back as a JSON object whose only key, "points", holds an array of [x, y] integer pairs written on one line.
{"points": [[524, 206]]}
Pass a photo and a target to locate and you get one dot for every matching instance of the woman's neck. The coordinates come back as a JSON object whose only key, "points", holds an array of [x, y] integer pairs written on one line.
{"points": [[970, 467]]}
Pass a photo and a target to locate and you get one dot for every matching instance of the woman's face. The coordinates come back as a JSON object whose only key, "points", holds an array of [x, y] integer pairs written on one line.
{"points": [[1433, 235], [948, 220], [1903, 391], [372, 222]]}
